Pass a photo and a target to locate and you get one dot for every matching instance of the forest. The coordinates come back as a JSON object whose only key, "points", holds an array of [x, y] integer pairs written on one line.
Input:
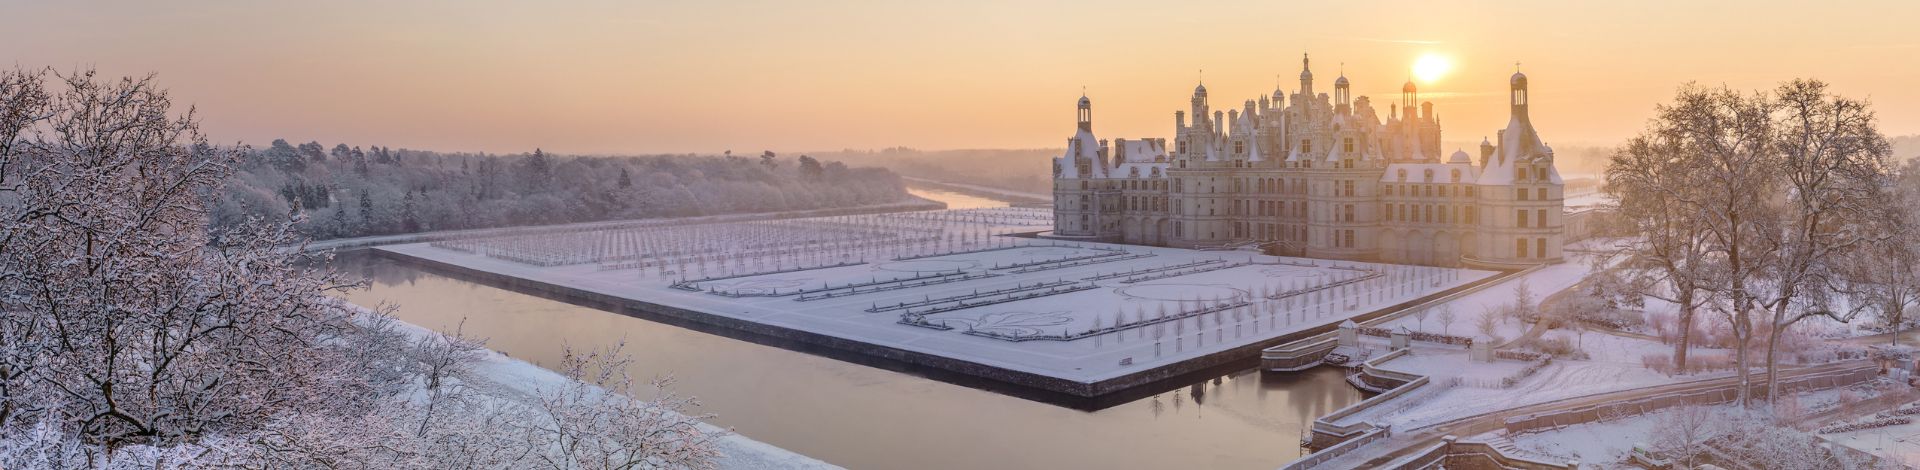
{"points": [[350, 191]]}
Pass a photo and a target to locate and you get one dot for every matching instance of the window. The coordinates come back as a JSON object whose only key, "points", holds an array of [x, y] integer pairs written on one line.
{"points": [[1520, 97], [1239, 146], [1520, 193], [1541, 173], [1348, 143], [1540, 194], [1542, 219], [1519, 173], [1306, 146], [1540, 247], [1520, 248], [1349, 236], [1349, 213], [1521, 220], [1349, 188]]}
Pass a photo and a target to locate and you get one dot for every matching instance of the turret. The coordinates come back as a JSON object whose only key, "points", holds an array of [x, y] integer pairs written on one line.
{"points": [[1306, 77], [1199, 102], [1409, 98], [1342, 96], [1486, 151], [1086, 114]]}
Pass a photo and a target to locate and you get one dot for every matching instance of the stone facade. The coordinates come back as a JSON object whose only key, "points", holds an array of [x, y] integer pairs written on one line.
{"points": [[1306, 174]]}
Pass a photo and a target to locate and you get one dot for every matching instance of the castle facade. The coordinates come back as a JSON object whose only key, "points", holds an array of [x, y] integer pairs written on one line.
{"points": [[1313, 175]]}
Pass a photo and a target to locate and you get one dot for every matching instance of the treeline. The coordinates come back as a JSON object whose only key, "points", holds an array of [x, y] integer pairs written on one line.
{"points": [[344, 191]]}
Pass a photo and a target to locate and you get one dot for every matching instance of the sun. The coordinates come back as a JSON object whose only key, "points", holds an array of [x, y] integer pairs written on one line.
{"points": [[1431, 67]]}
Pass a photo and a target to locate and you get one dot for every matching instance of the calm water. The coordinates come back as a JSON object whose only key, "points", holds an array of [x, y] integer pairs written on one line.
{"points": [[866, 417]]}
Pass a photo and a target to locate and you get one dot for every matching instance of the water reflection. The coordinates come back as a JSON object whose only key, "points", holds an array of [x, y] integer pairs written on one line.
{"points": [[867, 417], [956, 200]]}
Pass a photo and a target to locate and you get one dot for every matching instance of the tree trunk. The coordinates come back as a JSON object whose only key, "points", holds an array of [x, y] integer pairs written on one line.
{"points": [[1681, 346], [1773, 383]]}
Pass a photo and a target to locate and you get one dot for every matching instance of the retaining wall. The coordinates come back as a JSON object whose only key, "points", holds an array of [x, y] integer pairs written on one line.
{"points": [[1714, 396]]}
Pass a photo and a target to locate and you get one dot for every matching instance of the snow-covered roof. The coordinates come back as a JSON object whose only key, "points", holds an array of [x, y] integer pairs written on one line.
{"points": [[1141, 150]]}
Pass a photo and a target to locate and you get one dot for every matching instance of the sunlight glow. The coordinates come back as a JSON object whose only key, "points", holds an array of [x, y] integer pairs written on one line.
{"points": [[1431, 67]]}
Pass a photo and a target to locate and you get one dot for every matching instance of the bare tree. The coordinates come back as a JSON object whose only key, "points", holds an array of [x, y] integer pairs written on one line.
{"points": [[1421, 315], [122, 308], [1720, 141], [445, 363], [1884, 277], [1487, 322], [1446, 318], [1833, 163], [588, 423], [1682, 432], [1665, 255]]}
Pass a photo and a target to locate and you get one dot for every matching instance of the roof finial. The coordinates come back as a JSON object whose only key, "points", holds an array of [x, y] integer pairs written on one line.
{"points": [[1083, 91], [1516, 66], [1203, 76]]}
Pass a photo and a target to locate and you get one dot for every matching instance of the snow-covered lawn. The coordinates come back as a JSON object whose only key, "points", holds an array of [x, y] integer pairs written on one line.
{"points": [[997, 296], [1602, 444]]}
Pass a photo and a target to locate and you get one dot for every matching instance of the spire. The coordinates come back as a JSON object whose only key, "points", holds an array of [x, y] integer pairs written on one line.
{"points": [[1306, 76]]}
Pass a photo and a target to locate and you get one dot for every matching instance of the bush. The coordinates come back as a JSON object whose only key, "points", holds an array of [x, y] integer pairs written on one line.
{"points": [[1559, 347]]}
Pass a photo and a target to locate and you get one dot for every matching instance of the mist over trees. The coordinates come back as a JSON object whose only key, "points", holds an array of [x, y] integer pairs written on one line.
{"points": [[350, 191]]}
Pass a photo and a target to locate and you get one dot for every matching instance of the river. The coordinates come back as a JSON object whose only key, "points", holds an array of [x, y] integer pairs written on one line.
{"points": [[862, 416]]}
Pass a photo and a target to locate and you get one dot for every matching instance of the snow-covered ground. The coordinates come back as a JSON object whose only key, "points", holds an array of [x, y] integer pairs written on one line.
{"points": [[1614, 364], [992, 292], [522, 379]]}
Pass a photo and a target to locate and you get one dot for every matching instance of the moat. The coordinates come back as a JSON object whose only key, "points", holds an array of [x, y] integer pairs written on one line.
{"points": [[862, 416]]}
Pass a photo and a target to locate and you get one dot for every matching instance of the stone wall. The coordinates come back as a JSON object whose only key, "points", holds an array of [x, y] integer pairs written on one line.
{"points": [[1712, 396]]}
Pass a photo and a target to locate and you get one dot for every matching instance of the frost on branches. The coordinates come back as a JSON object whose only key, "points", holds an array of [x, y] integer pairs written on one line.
{"points": [[131, 336]]}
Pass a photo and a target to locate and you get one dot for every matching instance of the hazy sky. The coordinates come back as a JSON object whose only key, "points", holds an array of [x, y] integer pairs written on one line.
{"points": [[705, 76]]}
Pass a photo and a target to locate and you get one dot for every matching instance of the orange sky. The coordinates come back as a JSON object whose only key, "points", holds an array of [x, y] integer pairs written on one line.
{"points": [[705, 76]]}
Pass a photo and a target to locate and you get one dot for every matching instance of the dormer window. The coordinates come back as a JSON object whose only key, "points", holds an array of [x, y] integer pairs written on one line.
{"points": [[1239, 147], [1306, 146], [1348, 145]]}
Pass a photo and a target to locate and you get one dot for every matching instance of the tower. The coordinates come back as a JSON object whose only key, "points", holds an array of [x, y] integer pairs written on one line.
{"points": [[1409, 101], [1086, 114], [1342, 96], [1306, 77]]}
